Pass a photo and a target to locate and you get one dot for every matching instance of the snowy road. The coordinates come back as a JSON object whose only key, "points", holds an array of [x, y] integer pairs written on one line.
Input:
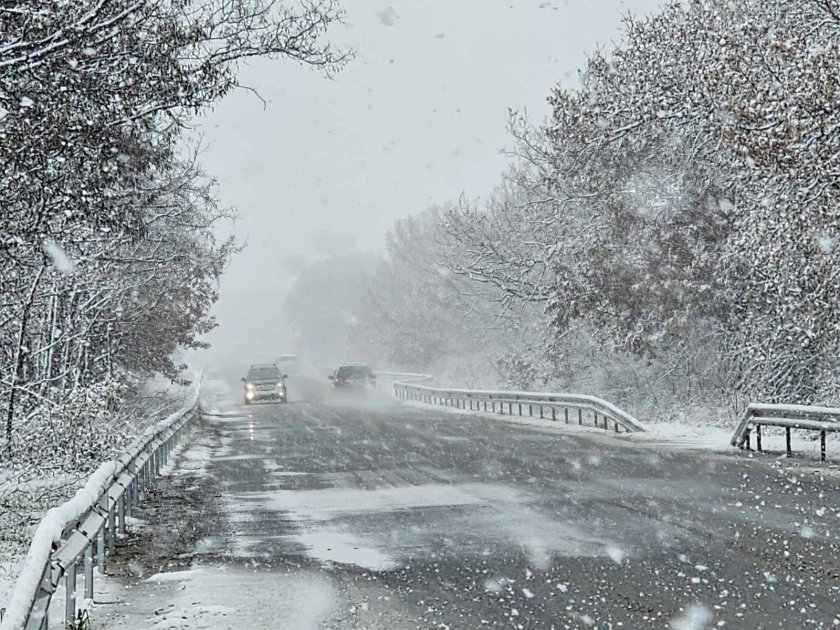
{"points": [[343, 516]]}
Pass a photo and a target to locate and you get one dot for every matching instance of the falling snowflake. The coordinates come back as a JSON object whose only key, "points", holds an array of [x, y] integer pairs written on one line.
{"points": [[695, 618], [60, 260], [387, 16]]}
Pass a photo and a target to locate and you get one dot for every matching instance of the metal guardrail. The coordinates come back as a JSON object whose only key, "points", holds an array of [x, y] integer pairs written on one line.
{"points": [[516, 402], [822, 419], [84, 530], [405, 377]]}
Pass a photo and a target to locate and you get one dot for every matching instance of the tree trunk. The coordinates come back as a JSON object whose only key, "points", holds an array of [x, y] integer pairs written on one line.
{"points": [[18, 362]]}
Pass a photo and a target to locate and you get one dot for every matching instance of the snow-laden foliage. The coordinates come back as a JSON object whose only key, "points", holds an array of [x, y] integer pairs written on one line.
{"points": [[670, 233], [108, 262], [683, 200]]}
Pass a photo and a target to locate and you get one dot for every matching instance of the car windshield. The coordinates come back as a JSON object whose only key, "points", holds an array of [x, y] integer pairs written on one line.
{"points": [[354, 371], [263, 373]]}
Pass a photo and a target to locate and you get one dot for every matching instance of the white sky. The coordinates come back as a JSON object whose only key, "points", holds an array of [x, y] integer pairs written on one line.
{"points": [[417, 118]]}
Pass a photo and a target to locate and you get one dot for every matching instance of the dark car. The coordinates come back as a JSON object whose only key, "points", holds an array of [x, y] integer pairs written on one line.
{"points": [[265, 382], [353, 376]]}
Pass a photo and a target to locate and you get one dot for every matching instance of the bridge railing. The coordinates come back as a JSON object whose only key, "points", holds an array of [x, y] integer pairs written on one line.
{"points": [[83, 531], [822, 419], [585, 409]]}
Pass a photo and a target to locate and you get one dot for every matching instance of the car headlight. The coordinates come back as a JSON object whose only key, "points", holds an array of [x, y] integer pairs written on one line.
{"points": [[281, 385], [249, 386]]}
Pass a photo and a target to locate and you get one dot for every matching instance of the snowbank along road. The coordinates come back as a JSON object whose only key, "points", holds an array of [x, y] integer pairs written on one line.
{"points": [[336, 514]]}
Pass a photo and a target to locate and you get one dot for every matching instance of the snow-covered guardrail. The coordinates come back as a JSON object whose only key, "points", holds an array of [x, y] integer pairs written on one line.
{"points": [[603, 414], [822, 419], [84, 529], [404, 377]]}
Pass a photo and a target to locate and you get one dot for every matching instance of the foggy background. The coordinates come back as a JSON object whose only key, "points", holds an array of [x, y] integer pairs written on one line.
{"points": [[417, 118]]}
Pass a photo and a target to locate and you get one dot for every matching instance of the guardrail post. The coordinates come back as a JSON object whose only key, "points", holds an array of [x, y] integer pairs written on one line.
{"points": [[100, 549], [89, 571], [595, 418], [140, 482], [121, 505], [112, 528], [520, 408], [822, 445], [787, 441], [566, 414], [758, 437], [580, 416], [69, 594], [132, 485]]}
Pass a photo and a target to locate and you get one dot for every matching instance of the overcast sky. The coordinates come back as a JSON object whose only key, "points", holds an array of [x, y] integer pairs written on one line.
{"points": [[416, 119]]}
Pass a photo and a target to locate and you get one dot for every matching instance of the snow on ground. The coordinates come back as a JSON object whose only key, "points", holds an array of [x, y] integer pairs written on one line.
{"points": [[210, 597], [27, 500], [10, 567], [683, 434]]}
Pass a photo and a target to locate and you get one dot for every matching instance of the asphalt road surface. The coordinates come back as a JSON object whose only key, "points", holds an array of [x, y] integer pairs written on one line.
{"points": [[351, 513]]}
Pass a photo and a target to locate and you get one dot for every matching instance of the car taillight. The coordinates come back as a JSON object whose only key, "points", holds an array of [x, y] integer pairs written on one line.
{"points": [[373, 380]]}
